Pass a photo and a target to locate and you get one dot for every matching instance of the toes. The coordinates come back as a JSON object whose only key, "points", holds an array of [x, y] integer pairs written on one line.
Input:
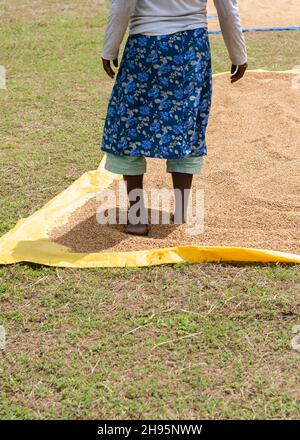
{"points": [[141, 230]]}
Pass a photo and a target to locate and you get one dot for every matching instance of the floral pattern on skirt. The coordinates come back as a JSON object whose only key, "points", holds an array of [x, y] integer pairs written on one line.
{"points": [[160, 102]]}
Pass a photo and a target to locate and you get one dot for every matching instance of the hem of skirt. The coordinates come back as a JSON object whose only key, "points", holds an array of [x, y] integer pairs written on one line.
{"points": [[152, 156]]}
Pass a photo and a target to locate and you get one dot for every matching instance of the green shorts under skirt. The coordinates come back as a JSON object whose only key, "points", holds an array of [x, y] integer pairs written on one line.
{"points": [[136, 165]]}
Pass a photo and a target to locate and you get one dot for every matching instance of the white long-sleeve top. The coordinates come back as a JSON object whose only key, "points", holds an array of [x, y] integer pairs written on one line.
{"points": [[158, 17]]}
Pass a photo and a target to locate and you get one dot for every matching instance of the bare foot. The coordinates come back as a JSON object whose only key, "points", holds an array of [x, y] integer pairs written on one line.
{"points": [[139, 229], [178, 222]]}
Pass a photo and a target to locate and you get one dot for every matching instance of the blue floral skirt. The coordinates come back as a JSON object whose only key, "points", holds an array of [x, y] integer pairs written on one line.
{"points": [[160, 102]]}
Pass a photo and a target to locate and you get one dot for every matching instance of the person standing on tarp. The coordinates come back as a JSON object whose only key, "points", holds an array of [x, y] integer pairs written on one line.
{"points": [[160, 102]]}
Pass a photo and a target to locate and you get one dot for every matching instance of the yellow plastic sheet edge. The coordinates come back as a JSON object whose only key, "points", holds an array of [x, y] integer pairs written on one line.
{"points": [[28, 241]]}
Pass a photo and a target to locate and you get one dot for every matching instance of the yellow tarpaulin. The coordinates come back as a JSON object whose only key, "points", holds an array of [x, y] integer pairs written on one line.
{"points": [[29, 241]]}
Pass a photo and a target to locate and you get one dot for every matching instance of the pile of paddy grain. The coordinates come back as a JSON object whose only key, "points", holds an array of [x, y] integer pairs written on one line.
{"points": [[262, 14], [250, 177]]}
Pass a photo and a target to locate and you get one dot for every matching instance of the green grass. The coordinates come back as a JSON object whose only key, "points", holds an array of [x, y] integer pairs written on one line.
{"points": [[209, 341]]}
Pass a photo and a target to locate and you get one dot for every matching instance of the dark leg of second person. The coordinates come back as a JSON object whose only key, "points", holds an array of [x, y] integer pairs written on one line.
{"points": [[182, 183], [136, 200]]}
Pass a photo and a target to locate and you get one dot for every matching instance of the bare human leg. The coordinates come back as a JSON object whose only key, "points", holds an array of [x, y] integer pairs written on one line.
{"points": [[137, 223], [182, 183]]}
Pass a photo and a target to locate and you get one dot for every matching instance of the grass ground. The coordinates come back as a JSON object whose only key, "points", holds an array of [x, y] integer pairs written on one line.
{"points": [[201, 341]]}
